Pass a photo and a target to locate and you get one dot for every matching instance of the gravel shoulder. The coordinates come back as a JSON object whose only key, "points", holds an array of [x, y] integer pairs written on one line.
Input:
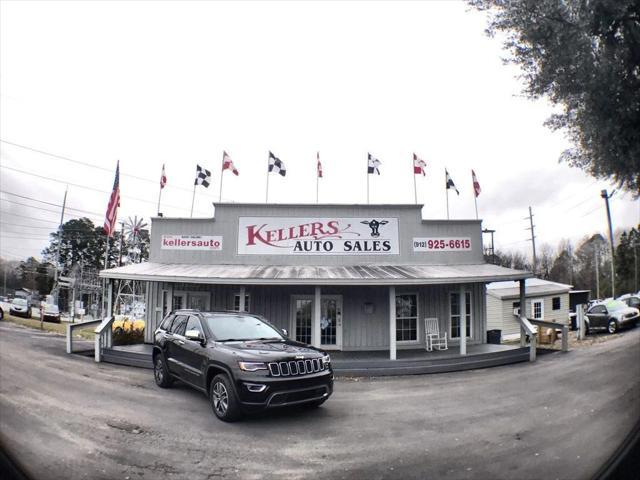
{"points": [[64, 416]]}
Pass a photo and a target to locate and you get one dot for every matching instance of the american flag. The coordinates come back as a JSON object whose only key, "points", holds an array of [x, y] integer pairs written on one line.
{"points": [[163, 178], [476, 184], [114, 203], [227, 163], [319, 165], [419, 165]]}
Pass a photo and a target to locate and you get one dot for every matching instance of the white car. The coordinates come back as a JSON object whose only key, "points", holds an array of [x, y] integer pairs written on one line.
{"points": [[20, 308]]}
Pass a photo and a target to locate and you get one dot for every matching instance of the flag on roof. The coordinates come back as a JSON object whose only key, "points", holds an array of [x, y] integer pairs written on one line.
{"points": [[319, 165], [227, 163], [419, 165], [476, 184], [163, 178], [450, 183], [276, 165], [114, 203], [203, 176], [373, 164]]}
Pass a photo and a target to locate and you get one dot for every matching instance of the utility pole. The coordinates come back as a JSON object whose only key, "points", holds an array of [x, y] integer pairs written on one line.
{"points": [[606, 197], [595, 254], [533, 239], [491, 232], [635, 263], [55, 273]]}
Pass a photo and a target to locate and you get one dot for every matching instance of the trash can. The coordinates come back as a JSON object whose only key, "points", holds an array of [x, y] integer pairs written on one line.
{"points": [[574, 321], [494, 336]]}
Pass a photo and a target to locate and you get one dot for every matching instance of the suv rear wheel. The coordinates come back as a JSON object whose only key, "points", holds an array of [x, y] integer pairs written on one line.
{"points": [[161, 373], [223, 399], [613, 326]]}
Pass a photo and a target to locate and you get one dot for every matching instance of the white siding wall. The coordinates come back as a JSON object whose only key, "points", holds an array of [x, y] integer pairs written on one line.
{"points": [[360, 331], [500, 312]]}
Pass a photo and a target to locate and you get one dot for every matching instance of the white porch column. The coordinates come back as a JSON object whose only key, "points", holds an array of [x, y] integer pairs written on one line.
{"points": [[243, 290], [463, 321], [392, 323], [315, 322], [523, 311]]}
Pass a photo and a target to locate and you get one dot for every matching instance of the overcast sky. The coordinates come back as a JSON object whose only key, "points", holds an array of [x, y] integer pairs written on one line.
{"points": [[177, 83]]}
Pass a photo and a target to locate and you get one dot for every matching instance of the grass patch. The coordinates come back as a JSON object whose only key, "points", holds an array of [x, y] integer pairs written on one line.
{"points": [[59, 328]]}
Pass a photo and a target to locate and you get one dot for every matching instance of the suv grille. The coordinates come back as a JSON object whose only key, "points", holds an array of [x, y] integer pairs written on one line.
{"points": [[296, 367]]}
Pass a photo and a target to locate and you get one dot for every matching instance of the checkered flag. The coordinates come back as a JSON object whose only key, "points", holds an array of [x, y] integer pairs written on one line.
{"points": [[276, 165], [203, 176]]}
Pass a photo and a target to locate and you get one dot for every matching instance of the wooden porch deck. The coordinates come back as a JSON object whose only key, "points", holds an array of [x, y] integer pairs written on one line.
{"points": [[372, 363]]}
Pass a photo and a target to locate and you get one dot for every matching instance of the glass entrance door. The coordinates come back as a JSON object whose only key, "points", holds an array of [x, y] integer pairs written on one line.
{"points": [[303, 313], [331, 322]]}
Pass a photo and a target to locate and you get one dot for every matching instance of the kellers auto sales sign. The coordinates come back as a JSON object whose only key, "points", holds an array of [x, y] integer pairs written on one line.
{"points": [[317, 236]]}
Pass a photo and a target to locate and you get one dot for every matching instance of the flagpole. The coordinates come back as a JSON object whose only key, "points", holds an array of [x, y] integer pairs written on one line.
{"points": [[159, 196], [104, 286], [317, 184], [221, 178], [367, 180], [266, 200], [446, 188], [475, 200], [193, 199], [415, 189]]}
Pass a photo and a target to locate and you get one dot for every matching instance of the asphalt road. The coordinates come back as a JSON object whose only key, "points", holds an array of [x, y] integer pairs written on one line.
{"points": [[66, 417]]}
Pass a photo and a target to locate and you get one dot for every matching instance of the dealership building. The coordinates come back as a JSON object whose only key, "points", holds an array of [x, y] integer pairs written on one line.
{"points": [[340, 277]]}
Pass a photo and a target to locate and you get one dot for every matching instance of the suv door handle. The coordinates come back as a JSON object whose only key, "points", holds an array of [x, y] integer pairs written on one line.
{"points": [[181, 342]]}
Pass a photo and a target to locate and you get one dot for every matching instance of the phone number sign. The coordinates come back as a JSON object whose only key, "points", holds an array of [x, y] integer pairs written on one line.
{"points": [[443, 244]]}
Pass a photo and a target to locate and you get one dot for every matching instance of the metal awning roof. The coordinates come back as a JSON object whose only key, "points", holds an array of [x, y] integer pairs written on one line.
{"points": [[315, 275], [535, 287]]}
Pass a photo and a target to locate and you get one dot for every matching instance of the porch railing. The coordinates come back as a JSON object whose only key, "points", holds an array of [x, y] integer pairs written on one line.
{"points": [[104, 338], [76, 326], [555, 326], [527, 328]]}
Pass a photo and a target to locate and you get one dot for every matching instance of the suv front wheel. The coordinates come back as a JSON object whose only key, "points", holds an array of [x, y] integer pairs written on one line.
{"points": [[613, 326], [223, 399]]}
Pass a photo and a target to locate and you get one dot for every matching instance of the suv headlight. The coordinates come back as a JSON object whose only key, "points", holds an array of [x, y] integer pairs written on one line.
{"points": [[326, 360], [252, 366]]}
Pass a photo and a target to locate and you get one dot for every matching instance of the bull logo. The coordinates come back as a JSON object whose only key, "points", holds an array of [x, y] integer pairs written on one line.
{"points": [[374, 225]]}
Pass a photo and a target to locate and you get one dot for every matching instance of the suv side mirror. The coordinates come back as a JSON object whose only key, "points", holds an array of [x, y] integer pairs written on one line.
{"points": [[284, 330], [194, 335]]}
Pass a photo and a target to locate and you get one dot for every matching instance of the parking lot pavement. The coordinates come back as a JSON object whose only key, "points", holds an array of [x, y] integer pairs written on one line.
{"points": [[65, 416]]}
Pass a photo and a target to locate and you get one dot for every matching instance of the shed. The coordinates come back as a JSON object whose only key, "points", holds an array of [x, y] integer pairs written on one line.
{"points": [[545, 300]]}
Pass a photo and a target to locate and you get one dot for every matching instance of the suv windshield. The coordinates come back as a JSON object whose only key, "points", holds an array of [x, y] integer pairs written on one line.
{"points": [[239, 327]]}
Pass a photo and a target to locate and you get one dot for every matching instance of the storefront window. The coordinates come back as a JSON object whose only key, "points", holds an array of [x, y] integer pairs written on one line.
{"points": [[455, 314], [406, 318]]}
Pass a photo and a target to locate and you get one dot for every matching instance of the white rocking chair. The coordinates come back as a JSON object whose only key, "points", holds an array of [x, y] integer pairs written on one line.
{"points": [[432, 335]]}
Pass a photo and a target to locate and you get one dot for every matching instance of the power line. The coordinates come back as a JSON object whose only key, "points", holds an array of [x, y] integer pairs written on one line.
{"points": [[54, 230], [91, 165], [49, 203], [88, 188], [38, 208], [4, 212]]}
